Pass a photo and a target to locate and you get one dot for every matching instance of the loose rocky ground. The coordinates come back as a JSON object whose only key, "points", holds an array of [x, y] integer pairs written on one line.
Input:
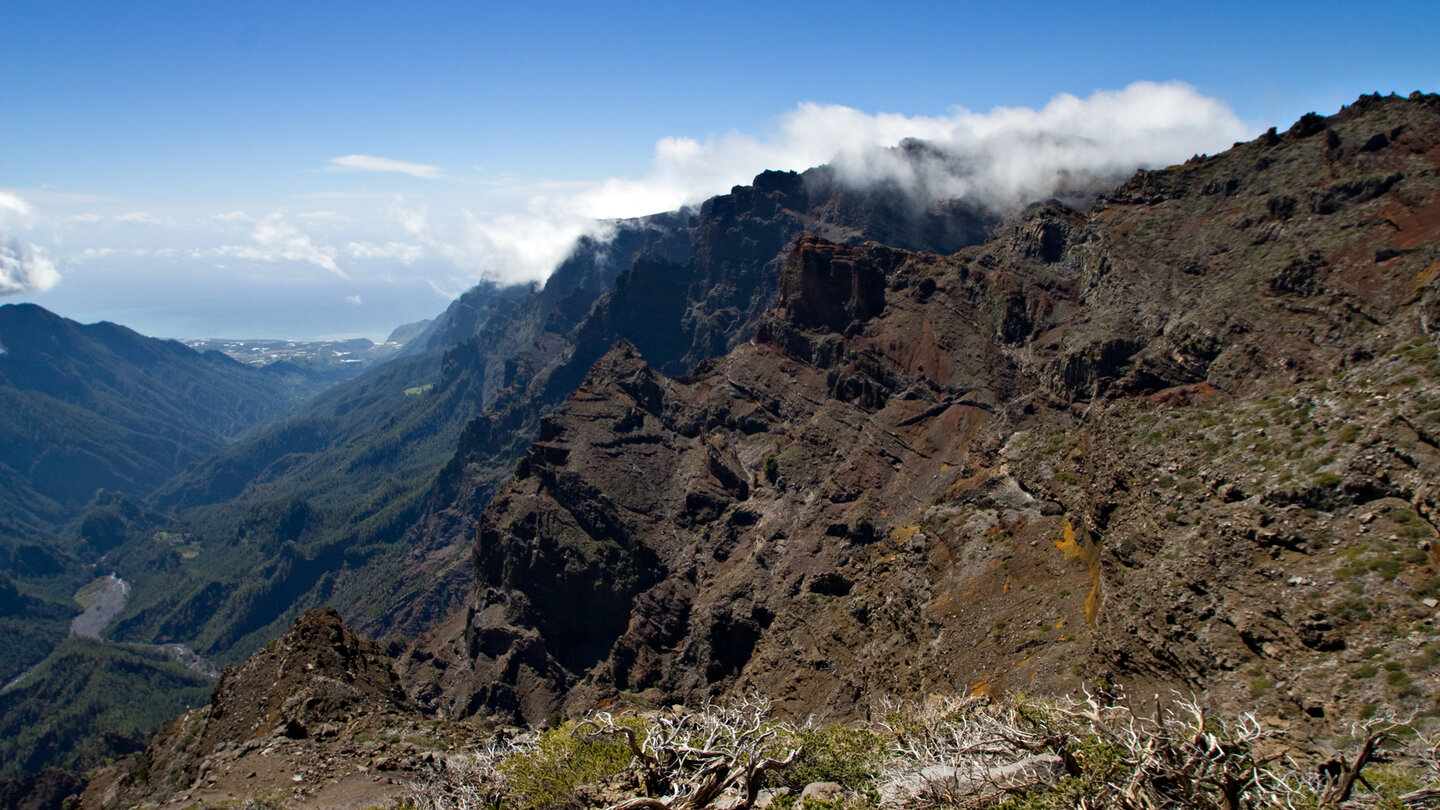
{"points": [[317, 719]]}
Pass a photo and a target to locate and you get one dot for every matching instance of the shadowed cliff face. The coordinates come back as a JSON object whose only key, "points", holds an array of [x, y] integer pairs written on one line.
{"points": [[1136, 444], [681, 288]]}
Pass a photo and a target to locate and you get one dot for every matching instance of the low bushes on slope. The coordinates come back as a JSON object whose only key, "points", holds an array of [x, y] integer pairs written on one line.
{"points": [[1018, 754]]}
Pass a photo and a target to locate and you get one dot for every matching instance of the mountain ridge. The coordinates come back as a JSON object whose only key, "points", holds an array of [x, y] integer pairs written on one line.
{"points": [[1181, 439], [888, 409]]}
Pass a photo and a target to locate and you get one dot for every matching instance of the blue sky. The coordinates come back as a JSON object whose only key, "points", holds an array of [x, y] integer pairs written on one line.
{"points": [[301, 169]]}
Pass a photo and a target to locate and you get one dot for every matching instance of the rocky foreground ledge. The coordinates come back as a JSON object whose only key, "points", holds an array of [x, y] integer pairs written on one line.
{"points": [[317, 718]]}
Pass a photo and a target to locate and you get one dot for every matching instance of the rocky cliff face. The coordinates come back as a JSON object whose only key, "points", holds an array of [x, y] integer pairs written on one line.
{"points": [[681, 287], [1185, 439]]}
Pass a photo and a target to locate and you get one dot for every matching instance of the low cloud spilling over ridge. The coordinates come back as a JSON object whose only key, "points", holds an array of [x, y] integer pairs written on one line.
{"points": [[456, 228], [1008, 156], [1005, 158]]}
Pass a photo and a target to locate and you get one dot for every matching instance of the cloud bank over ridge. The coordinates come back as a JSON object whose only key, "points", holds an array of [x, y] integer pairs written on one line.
{"points": [[1010, 155], [386, 234], [1007, 157]]}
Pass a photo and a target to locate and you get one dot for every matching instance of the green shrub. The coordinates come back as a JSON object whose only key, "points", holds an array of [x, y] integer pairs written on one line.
{"points": [[847, 756], [547, 775]]}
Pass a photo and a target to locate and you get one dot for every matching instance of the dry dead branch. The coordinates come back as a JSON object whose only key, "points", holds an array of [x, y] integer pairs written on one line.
{"points": [[688, 760]]}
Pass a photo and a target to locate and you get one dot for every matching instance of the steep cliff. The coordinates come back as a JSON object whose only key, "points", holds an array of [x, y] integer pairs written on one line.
{"points": [[683, 288], [1185, 439]]}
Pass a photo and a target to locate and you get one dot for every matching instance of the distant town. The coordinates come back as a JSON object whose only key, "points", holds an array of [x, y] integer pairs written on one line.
{"points": [[358, 351]]}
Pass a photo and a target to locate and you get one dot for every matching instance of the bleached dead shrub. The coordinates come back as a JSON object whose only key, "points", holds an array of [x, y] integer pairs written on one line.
{"points": [[965, 753], [472, 781], [689, 759], [1088, 753]]}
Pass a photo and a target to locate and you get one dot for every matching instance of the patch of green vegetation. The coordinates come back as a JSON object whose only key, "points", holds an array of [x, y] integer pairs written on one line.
{"points": [[90, 701], [1352, 610], [770, 467], [1388, 568], [548, 775], [1429, 589], [1061, 442], [847, 756]]}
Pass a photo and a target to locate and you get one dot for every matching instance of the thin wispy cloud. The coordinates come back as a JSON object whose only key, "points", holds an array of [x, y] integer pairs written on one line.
{"points": [[146, 218], [323, 216], [392, 251], [14, 210], [371, 163]]}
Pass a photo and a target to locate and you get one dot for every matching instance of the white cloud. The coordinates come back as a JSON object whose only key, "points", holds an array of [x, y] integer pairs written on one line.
{"points": [[323, 216], [278, 240], [513, 248], [273, 233], [14, 210], [395, 251], [413, 221], [145, 218], [1006, 157], [371, 163], [455, 290], [25, 269], [1009, 155], [353, 299]]}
